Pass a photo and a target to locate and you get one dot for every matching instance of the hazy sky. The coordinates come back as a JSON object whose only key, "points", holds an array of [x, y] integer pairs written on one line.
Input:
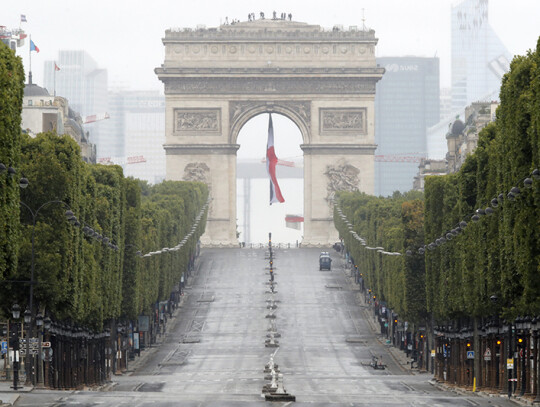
{"points": [[125, 36]]}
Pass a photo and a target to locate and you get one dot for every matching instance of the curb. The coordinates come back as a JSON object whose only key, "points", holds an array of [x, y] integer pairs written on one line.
{"points": [[483, 394]]}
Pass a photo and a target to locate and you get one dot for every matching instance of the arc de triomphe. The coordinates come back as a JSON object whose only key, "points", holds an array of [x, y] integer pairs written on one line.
{"points": [[216, 79]]}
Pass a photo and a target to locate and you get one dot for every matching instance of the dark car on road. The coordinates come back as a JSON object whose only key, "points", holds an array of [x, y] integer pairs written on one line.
{"points": [[325, 261]]}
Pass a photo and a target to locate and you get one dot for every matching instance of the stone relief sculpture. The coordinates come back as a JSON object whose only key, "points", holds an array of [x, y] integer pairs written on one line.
{"points": [[198, 172], [339, 120], [341, 177], [192, 120]]}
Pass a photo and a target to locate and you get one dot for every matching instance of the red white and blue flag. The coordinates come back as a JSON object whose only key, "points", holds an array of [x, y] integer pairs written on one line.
{"points": [[33, 47], [271, 161]]}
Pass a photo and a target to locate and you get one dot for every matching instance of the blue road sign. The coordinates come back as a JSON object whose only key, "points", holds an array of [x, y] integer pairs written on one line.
{"points": [[470, 354], [4, 347]]}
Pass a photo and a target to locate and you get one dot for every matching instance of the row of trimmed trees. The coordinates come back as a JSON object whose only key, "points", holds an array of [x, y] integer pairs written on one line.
{"points": [[482, 278], [82, 280]]}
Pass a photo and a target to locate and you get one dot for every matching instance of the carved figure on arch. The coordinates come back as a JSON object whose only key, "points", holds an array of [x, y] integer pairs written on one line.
{"points": [[198, 172], [341, 177]]}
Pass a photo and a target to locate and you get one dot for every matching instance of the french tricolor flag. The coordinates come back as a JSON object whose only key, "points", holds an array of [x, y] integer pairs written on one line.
{"points": [[271, 161]]}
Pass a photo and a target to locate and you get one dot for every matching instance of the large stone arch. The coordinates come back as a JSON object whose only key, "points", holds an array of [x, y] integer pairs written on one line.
{"points": [[217, 79]]}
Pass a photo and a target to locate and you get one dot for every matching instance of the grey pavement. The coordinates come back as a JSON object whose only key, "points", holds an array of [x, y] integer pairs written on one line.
{"points": [[214, 351]]}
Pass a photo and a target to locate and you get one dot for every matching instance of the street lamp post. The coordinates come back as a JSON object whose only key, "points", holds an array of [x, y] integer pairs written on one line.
{"points": [[39, 325], [16, 311], [29, 372], [47, 326]]}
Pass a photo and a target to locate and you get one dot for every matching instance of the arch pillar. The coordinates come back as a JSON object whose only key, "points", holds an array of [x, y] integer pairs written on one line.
{"points": [[214, 165], [327, 169]]}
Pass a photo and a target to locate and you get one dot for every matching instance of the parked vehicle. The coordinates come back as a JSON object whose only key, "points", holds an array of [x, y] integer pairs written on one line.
{"points": [[325, 262]]}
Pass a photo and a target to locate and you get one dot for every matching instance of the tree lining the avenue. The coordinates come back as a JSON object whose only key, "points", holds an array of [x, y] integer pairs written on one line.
{"points": [[455, 278], [493, 265], [83, 277], [11, 97]]}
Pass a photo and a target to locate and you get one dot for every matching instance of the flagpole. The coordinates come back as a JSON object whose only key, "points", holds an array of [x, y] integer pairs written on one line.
{"points": [[30, 60]]}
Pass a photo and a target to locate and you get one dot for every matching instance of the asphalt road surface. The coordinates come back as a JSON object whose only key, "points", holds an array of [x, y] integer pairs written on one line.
{"points": [[215, 351]]}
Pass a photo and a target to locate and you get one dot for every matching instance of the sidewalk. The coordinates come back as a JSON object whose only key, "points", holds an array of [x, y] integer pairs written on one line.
{"points": [[8, 396], [522, 401], [150, 350]]}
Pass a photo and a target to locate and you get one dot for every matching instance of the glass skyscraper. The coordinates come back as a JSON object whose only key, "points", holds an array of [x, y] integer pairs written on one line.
{"points": [[135, 134], [479, 59], [406, 104], [83, 84]]}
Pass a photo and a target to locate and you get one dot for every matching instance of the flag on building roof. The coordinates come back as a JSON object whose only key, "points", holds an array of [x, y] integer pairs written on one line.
{"points": [[271, 161], [33, 46], [56, 68], [23, 18]]}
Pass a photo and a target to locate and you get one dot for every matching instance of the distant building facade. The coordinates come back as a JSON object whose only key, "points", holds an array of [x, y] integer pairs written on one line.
{"points": [[426, 168], [135, 134], [446, 103], [407, 102], [43, 112], [479, 59], [83, 84], [461, 140]]}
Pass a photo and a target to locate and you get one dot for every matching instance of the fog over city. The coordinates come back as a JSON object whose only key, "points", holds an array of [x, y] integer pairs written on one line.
{"points": [[125, 39], [125, 36]]}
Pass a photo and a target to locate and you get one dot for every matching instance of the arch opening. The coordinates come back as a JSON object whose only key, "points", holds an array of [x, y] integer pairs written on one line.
{"points": [[255, 216]]}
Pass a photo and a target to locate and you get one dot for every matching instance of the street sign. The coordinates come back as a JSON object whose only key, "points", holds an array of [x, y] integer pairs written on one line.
{"points": [[4, 347], [487, 355], [470, 354], [47, 354], [509, 363], [432, 353], [33, 351]]}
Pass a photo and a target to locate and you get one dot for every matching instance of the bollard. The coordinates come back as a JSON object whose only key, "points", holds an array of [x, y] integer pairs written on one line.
{"points": [[280, 389], [271, 343], [273, 383]]}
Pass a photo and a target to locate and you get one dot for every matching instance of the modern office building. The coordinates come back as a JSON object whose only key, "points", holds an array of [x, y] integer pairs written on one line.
{"points": [[135, 134], [479, 59], [406, 103], [75, 75]]}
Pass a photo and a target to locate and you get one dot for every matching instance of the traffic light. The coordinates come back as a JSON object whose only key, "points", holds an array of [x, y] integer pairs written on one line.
{"points": [[468, 344]]}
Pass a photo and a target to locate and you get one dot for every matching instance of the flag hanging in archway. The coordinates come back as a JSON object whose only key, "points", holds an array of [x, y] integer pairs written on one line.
{"points": [[271, 161]]}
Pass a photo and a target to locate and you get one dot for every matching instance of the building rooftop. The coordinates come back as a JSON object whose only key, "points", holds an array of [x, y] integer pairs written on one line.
{"points": [[31, 89]]}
